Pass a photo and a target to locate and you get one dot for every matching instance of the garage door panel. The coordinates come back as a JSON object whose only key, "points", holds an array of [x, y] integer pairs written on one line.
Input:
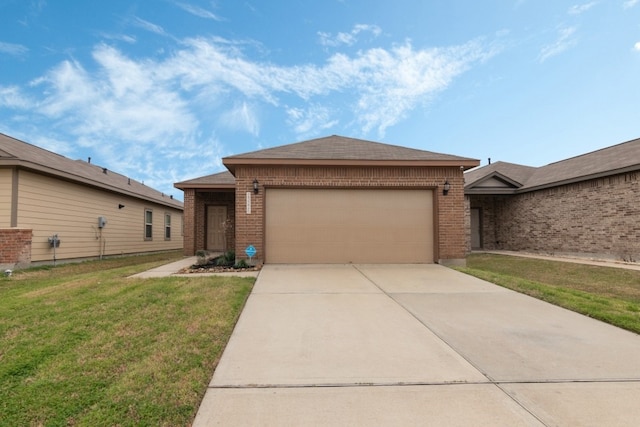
{"points": [[342, 226]]}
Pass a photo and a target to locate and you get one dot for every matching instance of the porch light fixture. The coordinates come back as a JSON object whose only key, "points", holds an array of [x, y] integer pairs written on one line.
{"points": [[120, 206], [446, 187], [255, 186]]}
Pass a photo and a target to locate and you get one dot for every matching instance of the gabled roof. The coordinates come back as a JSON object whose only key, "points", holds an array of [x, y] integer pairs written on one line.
{"points": [[16, 153], [620, 158], [486, 179], [222, 180], [339, 150]]}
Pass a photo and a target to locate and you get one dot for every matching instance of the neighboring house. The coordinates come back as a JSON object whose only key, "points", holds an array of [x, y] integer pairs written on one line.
{"points": [[585, 206], [52, 206], [332, 200]]}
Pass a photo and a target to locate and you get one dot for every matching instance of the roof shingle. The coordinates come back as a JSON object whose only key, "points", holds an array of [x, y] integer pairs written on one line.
{"points": [[217, 180], [14, 152], [342, 148], [604, 162]]}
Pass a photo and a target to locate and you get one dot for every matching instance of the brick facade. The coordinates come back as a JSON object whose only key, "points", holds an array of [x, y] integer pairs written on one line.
{"points": [[450, 232], [598, 218], [15, 247], [189, 225]]}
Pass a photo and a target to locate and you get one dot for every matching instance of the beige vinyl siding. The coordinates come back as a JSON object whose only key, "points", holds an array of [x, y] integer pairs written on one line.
{"points": [[5, 197], [51, 206]]}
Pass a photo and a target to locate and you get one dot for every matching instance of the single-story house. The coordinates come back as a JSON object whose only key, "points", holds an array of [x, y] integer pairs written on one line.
{"points": [[585, 206], [332, 200], [54, 208]]}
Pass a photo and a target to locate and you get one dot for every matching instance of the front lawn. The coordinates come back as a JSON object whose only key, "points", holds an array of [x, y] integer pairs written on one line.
{"points": [[605, 293], [82, 344]]}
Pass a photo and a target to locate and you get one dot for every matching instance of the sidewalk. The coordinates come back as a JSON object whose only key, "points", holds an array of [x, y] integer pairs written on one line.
{"points": [[598, 262]]}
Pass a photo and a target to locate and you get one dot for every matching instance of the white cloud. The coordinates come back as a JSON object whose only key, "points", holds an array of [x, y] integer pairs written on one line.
{"points": [[120, 37], [54, 144], [12, 97], [142, 100], [130, 112], [577, 9], [350, 38], [241, 117], [13, 49], [310, 119], [636, 47], [564, 41], [630, 3], [124, 101], [385, 84], [198, 11], [148, 26]]}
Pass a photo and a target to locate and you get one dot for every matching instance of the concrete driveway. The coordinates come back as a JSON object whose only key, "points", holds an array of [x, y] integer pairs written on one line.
{"points": [[391, 345]]}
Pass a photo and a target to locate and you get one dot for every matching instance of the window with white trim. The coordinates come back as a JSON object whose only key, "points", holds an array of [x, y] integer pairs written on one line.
{"points": [[167, 226], [148, 224]]}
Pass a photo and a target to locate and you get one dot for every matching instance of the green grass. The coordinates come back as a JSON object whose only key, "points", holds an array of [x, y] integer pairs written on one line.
{"points": [[82, 344], [605, 293]]}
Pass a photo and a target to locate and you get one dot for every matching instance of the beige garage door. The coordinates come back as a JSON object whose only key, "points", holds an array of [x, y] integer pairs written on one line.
{"points": [[344, 226]]}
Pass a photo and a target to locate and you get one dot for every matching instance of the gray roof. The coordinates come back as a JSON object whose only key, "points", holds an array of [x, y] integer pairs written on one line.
{"points": [[340, 149], [16, 153], [517, 174], [217, 180], [620, 158]]}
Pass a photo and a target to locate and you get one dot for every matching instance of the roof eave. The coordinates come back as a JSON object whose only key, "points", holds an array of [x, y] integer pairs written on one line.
{"points": [[490, 191], [79, 179], [464, 164], [605, 174], [186, 186]]}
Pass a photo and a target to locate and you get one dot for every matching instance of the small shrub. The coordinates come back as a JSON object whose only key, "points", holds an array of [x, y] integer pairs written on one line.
{"points": [[202, 257], [226, 260], [230, 256], [241, 264]]}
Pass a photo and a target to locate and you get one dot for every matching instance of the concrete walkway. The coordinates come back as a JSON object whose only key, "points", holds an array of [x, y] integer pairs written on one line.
{"points": [[172, 269], [167, 269], [416, 345]]}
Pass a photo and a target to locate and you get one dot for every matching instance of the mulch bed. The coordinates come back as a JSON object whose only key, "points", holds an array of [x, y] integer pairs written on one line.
{"points": [[211, 268]]}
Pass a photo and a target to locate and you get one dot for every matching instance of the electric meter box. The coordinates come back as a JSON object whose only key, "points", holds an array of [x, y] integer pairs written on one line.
{"points": [[102, 221]]}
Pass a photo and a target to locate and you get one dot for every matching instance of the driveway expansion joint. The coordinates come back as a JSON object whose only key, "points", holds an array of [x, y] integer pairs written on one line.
{"points": [[350, 385]]}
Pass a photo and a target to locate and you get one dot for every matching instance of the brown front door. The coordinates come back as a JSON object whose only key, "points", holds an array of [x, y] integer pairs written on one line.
{"points": [[216, 236], [476, 229]]}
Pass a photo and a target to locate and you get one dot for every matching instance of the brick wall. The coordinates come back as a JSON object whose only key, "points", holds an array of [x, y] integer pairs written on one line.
{"points": [[450, 232], [189, 228], [15, 247], [598, 218], [487, 206]]}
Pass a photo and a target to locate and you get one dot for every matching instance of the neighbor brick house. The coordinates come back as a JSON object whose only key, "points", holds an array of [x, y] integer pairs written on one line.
{"points": [[585, 206], [91, 211], [332, 200]]}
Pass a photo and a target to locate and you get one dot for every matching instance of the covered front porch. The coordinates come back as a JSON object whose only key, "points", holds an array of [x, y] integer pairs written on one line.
{"points": [[209, 213]]}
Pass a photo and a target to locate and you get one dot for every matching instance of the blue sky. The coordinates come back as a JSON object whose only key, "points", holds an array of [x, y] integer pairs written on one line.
{"points": [[162, 90]]}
